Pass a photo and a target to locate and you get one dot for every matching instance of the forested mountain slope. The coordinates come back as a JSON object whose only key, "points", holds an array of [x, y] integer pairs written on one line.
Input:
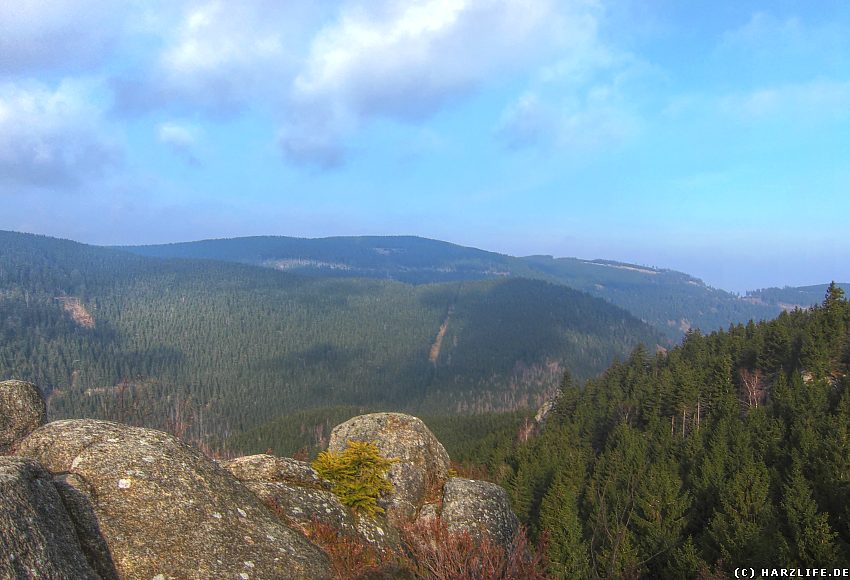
{"points": [[404, 258], [150, 340], [671, 301], [730, 450], [791, 297]]}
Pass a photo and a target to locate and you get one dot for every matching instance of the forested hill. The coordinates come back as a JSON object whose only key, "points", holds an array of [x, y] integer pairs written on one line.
{"points": [[403, 258], [109, 333], [671, 301], [731, 450], [790, 297]]}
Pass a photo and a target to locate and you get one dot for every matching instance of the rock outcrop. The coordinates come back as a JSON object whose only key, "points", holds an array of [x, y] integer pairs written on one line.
{"points": [[166, 511], [422, 464], [22, 411], [479, 507], [37, 537], [294, 491], [423, 489], [99, 500]]}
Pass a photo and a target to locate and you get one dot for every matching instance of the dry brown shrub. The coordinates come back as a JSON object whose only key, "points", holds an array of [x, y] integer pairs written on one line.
{"points": [[350, 557], [472, 471], [433, 552], [429, 551]]}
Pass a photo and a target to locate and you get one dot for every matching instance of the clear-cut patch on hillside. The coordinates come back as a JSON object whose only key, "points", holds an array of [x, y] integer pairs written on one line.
{"points": [[292, 263], [630, 267], [438, 341], [78, 312]]}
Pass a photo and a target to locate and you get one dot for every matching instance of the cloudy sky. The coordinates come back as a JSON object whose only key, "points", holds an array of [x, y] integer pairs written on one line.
{"points": [[709, 137]]}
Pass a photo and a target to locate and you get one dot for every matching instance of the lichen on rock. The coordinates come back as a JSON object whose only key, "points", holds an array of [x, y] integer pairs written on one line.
{"points": [[37, 536], [292, 489], [22, 411], [296, 493], [269, 468], [479, 507], [180, 515]]}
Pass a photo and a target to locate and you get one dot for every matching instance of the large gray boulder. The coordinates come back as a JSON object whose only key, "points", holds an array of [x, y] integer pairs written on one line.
{"points": [[479, 507], [22, 411], [165, 510], [422, 462], [37, 537], [296, 493], [293, 490], [76, 495]]}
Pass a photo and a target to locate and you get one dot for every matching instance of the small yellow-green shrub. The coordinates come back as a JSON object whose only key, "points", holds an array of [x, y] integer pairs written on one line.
{"points": [[358, 475]]}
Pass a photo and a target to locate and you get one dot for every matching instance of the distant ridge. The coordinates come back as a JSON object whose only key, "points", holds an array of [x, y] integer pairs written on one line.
{"points": [[791, 297], [672, 301]]}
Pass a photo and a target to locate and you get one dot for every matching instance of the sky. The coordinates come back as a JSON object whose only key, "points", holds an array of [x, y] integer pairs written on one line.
{"points": [[707, 137]]}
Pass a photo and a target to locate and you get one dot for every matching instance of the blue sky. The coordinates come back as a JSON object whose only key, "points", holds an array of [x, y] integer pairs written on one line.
{"points": [[708, 137]]}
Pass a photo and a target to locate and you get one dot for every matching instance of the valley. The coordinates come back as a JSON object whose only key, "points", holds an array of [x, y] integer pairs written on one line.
{"points": [[237, 357], [209, 330], [243, 345]]}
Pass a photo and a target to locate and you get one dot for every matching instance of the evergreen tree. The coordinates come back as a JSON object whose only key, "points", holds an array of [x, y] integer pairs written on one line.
{"points": [[811, 539], [612, 499], [559, 516], [742, 527], [660, 516]]}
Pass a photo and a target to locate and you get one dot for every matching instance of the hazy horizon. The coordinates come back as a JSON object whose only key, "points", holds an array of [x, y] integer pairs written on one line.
{"points": [[710, 139]]}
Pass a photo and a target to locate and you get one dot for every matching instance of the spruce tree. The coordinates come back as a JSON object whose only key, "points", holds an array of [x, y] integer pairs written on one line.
{"points": [[559, 516], [812, 541]]}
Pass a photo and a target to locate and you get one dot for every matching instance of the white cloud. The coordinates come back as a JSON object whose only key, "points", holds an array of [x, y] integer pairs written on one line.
{"points": [[221, 52], [176, 135], [763, 30], [223, 56], [527, 122], [181, 139], [768, 49], [322, 70], [52, 137], [404, 58], [809, 101], [56, 34], [407, 59], [577, 128], [586, 100]]}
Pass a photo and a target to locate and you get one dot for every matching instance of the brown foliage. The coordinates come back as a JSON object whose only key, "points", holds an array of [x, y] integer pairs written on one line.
{"points": [[429, 551], [350, 557], [300, 455], [434, 552], [471, 471]]}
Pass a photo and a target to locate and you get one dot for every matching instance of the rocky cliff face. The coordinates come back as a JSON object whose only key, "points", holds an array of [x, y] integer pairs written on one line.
{"points": [[95, 499]]}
